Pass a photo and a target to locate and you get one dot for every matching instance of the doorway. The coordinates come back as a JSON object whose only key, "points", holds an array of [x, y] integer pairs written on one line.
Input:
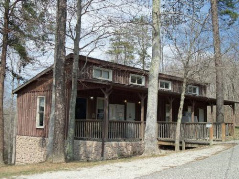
{"points": [[130, 112], [80, 108], [201, 115]]}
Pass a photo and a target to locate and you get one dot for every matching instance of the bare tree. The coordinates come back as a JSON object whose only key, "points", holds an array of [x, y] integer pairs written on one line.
{"points": [[189, 46], [79, 34], [150, 139], [59, 84], [75, 72]]}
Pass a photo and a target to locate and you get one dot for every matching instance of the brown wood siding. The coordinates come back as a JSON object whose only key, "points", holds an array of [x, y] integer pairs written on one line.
{"points": [[27, 96], [27, 109], [122, 76], [118, 75]]}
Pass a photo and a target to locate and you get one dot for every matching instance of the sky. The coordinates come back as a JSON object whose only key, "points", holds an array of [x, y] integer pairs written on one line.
{"points": [[98, 20]]}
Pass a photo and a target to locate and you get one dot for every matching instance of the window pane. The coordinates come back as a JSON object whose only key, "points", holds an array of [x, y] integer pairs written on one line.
{"points": [[190, 89], [106, 74], [97, 73], [139, 80], [161, 84], [166, 85], [133, 79], [41, 117], [41, 104], [100, 103], [194, 90]]}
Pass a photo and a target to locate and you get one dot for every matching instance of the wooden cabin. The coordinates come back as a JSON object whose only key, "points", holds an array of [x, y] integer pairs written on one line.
{"points": [[111, 106]]}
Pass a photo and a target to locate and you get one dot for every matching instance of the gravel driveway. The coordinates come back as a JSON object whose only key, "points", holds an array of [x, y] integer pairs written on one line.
{"points": [[135, 168], [224, 165]]}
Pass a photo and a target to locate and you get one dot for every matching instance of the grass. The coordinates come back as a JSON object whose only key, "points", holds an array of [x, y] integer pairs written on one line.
{"points": [[17, 170]]}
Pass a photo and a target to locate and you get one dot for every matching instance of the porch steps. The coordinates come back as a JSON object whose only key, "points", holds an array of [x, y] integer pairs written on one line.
{"points": [[188, 143]]}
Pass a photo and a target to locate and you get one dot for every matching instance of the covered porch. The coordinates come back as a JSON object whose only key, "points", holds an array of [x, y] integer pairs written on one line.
{"points": [[106, 112]]}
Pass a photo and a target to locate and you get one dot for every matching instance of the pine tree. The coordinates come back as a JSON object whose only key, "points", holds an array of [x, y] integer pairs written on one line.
{"points": [[19, 26]]}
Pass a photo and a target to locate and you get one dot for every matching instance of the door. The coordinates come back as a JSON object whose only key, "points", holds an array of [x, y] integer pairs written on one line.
{"points": [[80, 108], [201, 115], [116, 112], [130, 111]]}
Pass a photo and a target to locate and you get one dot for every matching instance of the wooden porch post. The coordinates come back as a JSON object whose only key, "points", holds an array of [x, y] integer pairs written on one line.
{"points": [[105, 125], [212, 120], [223, 132], [192, 115], [211, 134], [142, 98], [171, 109]]}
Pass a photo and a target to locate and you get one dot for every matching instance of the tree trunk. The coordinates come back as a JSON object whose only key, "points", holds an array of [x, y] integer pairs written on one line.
{"points": [[11, 127], [59, 76], [180, 114], [49, 154], [150, 139], [2, 76], [218, 64], [75, 71], [14, 138]]}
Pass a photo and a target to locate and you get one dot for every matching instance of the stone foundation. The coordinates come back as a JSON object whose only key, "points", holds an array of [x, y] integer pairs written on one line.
{"points": [[91, 150], [30, 149], [33, 150]]}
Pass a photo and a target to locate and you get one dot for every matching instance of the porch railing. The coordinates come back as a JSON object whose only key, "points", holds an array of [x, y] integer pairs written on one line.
{"points": [[193, 131], [117, 130], [88, 129], [124, 130], [132, 130]]}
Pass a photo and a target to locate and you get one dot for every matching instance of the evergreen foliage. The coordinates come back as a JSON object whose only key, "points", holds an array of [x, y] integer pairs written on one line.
{"points": [[228, 10], [130, 44]]}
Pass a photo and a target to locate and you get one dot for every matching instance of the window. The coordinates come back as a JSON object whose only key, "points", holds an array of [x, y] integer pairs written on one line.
{"points": [[166, 85], [193, 90], [100, 108], [40, 112], [102, 73], [137, 79]]}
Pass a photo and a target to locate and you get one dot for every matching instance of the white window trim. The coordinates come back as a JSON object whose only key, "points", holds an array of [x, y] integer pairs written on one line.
{"points": [[37, 114], [143, 79], [197, 90], [170, 85], [103, 69]]}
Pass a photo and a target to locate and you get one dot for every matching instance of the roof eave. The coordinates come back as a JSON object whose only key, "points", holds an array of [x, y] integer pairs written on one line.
{"points": [[32, 79]]}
